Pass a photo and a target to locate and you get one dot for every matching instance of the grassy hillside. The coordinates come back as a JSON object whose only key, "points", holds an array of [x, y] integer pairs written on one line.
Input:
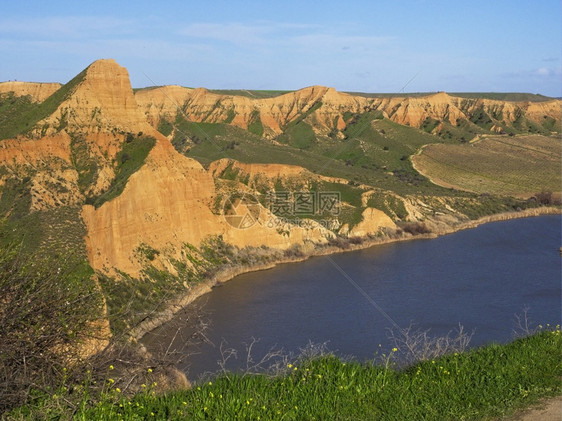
{"points": [[518, 166], [27, 114], [374, 153], [491, 381]]}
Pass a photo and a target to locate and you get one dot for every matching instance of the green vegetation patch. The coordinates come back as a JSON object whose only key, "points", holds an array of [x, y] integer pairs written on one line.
{"points": [[11, 108], [15, 199], [298, 132], [29, 114], [489, 204], [254, 125], [84, 162], [389, 204], [165, 127], [129, 160], [131, 300]]}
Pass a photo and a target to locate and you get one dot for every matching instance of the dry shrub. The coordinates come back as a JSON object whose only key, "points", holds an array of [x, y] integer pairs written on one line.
{"points": [[50, 311], [415, 228], [415, 345], [47, 316]]}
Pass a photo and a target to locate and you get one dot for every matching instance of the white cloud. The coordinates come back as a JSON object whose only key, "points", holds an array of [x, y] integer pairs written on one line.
{"points": [[231, 32], [288, 35], [67, 26], [548, 71]]}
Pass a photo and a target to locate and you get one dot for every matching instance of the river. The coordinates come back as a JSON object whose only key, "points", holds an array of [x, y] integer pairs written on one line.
{"points": [[480, 278]]}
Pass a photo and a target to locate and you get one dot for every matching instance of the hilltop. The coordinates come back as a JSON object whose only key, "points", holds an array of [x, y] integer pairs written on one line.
{"points": [[158, 189]]}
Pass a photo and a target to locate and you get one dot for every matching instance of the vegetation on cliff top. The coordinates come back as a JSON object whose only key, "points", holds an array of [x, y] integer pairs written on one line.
{"points": [[20, 115]]}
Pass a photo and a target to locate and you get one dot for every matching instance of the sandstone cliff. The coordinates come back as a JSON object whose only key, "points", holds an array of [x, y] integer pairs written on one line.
{"points": [[101, 99], [326, 109], [166, 204], [74, 154], [38, 92]]}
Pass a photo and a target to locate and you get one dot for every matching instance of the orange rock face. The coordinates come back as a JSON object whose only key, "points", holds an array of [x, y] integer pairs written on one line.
{"points": [[172, 200], [329, 108], [102, 101], [168, 203], [33, 152], [37, 91]]}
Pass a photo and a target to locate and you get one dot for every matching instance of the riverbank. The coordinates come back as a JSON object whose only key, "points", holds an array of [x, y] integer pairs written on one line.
{"points": [[439, 227]]}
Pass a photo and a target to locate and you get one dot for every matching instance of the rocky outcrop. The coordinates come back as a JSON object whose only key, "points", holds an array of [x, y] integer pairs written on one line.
{"points": [[373, 221], [162, 101], [326, 109], [101, 100], [166, 204], [38, 92], [18, 152]]}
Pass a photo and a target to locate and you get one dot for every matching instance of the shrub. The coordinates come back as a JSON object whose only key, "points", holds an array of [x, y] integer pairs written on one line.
{"points": [[41, 331], [415, 228], [544, 198]]}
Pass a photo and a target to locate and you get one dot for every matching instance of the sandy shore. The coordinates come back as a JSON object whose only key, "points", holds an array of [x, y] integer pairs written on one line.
{"points": [[229, 273]]}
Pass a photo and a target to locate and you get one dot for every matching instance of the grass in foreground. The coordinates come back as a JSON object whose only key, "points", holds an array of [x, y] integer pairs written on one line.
{"points": [[487, 382]]}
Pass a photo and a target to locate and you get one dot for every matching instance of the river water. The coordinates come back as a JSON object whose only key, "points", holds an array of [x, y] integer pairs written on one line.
{"points": [[481, 278]]}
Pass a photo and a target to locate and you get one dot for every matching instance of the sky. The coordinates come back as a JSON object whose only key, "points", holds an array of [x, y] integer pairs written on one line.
{"points": [[355, 45]]}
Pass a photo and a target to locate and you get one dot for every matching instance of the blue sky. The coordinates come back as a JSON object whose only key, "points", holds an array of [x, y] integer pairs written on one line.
{"points": [[369, 46]]}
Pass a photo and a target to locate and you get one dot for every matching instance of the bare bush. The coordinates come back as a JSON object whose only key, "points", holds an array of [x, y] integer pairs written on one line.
{"points": [[47, 315], [273, 362], [414, 345], [544, 198], [415, 228], [269, 362], [52, 322], [523, 326]]}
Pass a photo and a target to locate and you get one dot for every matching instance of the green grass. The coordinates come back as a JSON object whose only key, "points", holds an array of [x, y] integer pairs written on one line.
{"points": [[84, 162], [165, 127], [129, 160], [255, 126], [375, 166], [490, 381], [389, 204], [130, 300], [489, 204], [31, 113], [11, 108]]}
